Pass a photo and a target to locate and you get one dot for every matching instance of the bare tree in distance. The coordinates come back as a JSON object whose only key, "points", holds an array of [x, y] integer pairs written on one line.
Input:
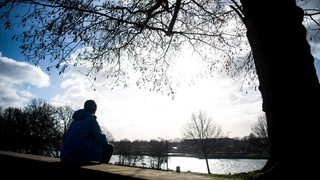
{"points": [[259, 134], [260, 128], [108, 134], [64, 115], [201, 129], [43, 127], [158, 153]]}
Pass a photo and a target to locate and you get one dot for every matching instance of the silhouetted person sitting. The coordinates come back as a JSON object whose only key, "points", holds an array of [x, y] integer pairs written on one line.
{"points": [[84, 142]]}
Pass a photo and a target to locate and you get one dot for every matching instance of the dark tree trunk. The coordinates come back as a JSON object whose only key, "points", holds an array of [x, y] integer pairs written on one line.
{"points": [[207, 163], [288, 84]]}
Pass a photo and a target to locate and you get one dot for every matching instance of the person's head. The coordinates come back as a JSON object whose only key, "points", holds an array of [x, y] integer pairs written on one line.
{"points": [[90, 106]]}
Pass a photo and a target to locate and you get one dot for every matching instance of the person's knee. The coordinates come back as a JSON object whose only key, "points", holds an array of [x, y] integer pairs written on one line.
{"points": [[111, 146]]}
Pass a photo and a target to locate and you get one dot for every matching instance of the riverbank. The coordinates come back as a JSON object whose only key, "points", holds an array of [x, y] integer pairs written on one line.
{"points": [[224, 156], [191, 164]]}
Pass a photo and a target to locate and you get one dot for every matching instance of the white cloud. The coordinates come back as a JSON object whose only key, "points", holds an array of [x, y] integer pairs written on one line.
{"points": [[21, 72], [15, 80]]}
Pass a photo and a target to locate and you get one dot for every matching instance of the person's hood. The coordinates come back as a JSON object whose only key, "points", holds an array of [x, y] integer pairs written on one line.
{"points": [[81, 114]]}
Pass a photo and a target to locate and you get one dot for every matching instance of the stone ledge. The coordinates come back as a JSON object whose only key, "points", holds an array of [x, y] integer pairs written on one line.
{"points": [[38, 167], [30, 156]]}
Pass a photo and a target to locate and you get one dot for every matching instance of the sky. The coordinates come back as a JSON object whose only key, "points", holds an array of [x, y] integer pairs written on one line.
{"points": [[133, 113]]}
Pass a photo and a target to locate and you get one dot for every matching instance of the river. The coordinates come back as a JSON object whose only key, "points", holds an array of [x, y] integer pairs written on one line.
{"points": [[217, 166]]}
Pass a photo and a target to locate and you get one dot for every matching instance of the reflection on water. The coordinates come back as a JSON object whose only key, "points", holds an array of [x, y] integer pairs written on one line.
{"points": [[217, 166]]}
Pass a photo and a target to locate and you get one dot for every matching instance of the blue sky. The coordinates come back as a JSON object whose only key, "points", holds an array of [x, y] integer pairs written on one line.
{"points": [[133, 113]]}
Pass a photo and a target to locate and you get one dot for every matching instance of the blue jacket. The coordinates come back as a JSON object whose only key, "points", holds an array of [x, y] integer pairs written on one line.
{"points": [[84, 140]]}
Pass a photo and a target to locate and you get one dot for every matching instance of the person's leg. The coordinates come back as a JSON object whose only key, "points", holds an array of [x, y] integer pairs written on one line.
{"points": [[107, 152]]}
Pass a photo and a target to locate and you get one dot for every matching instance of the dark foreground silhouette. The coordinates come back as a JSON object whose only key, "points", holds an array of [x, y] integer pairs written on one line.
{"points": [[14, 168]]}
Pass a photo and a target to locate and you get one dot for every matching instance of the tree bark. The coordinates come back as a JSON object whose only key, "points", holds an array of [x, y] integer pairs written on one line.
{"points": [[288, 83]]}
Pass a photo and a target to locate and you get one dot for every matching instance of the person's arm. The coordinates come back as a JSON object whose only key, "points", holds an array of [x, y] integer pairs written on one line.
{"points": [[97, 132]]}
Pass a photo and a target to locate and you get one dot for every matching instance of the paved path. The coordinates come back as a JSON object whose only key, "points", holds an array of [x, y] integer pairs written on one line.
{"points": [[151, 174]]}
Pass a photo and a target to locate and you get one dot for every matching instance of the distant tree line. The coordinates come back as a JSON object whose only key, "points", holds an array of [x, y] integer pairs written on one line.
{"points": [[38, 128], [130, 151], [133, 153]]}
